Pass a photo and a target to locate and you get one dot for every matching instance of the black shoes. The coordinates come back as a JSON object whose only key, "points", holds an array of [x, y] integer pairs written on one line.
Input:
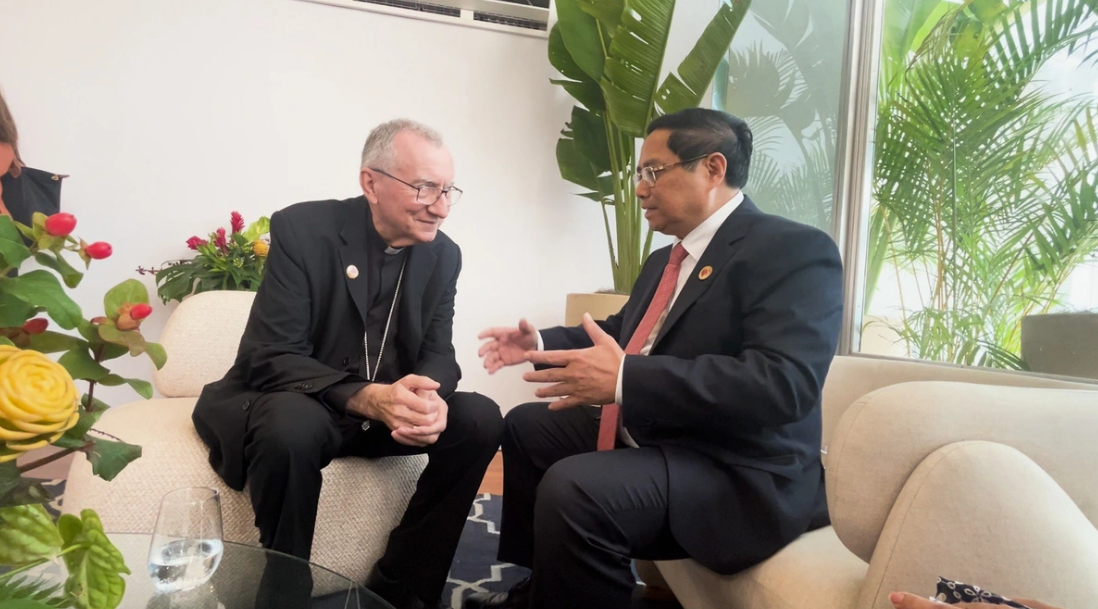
{"points": [[518, 597], [396, 593]]}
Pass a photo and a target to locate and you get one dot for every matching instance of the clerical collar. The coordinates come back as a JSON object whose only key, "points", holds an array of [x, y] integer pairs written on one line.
{"points": [[393, 251]]}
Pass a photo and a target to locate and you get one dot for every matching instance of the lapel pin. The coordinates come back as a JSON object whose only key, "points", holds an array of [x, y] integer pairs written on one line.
{"points": [[352, 271], [705, 273]]}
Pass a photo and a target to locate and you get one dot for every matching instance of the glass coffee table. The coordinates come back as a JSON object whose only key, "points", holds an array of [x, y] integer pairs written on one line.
{"points": [[249, 577]]}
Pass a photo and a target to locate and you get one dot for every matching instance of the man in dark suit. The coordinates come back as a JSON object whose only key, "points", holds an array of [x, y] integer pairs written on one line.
{"points": [[348, 352], [713, 370]]}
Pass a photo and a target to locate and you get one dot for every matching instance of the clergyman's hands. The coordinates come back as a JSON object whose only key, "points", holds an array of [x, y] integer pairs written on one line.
{"points": [[404, 405]]}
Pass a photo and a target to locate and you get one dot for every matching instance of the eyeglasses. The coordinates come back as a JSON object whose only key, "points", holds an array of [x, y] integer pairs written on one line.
{"points": [[428, 194], [649, 174]]}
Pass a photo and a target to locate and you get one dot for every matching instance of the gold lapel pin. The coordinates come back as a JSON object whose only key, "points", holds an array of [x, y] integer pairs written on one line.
{"points": [[705, 273], [352, 271]]}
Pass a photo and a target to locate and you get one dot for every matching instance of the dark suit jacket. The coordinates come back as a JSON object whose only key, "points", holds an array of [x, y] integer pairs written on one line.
{"points": [[731, 389], [306, 326], [33, 191]]}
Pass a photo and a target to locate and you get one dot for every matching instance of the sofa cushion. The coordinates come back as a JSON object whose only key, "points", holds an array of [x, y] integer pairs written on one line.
{"points": [[853, 376], [361, 501], [201, 339], [985, 514], [813, 572], [885, 435]]}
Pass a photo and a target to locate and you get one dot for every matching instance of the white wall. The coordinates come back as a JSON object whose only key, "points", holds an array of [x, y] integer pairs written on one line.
{"points": [[170, 115]]}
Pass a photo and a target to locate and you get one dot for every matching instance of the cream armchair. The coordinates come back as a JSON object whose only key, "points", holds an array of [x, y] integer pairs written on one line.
{"points": [[957, 474], [362, 500]]}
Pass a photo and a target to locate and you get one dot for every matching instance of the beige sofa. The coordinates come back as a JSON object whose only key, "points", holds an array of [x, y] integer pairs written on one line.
{"points": [[362, 500], [976, 475]]}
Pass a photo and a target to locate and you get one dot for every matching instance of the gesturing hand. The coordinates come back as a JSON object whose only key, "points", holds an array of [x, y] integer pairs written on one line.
{"points": [[507, 346], [588, 376]]}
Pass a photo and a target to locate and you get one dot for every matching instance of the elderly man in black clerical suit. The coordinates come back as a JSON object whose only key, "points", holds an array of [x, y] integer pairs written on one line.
{"points": [[348, 351]]}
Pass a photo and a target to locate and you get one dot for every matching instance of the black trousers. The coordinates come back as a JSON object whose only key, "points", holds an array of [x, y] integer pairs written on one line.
{"points": [[291, 437], [575, 516]]}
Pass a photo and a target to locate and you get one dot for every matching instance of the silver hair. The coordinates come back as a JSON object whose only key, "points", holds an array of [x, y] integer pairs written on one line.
{"points": [[378, 151]]}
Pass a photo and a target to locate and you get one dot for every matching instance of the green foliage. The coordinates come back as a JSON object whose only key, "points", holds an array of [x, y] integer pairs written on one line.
{"points": [[225, 261], [610, 54], [984, 183]]}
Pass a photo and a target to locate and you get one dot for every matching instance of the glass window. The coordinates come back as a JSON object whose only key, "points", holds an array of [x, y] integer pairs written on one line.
{"points": [[783, 76], [984, 220]]}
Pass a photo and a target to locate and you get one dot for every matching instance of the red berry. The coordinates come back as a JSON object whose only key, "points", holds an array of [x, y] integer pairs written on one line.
{"points": [[140, 311], [98, 250], [37, 325], [60, 224]]}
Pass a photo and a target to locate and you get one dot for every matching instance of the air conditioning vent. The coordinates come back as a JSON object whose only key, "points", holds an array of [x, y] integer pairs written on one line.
{"points": [[527, 17]]}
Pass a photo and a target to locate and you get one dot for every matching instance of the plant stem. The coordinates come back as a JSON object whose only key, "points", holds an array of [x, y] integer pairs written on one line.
{"points": [[40, 562], [33, 465]]}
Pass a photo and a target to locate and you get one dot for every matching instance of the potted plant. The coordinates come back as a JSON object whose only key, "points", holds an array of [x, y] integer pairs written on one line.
{"points": [[40, 406], [233, 260], [610, 54]]}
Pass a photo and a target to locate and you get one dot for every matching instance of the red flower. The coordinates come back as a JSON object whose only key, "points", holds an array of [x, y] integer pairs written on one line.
{"points": [[37, 325], [98, 250], [219, 241], [60, 224], [237, 222], [195, 242], [140, 311]]}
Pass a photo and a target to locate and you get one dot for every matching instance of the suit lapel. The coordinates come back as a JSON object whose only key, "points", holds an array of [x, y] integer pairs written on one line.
{"points": [[355, 253], [420, 266], [717, 254]]}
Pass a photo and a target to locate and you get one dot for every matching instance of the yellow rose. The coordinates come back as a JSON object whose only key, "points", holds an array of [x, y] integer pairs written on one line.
{"points": [[38, 401], [260, 248]]}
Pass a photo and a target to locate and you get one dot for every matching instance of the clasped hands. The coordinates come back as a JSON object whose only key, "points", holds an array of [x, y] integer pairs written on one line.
{"points": [[582, 376], [411, 407]]}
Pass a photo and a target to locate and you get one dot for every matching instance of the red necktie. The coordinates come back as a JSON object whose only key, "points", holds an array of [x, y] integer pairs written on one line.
{"points": [[608, 425]]}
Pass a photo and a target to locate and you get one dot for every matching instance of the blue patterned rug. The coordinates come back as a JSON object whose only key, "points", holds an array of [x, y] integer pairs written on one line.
{"points": [[475, 567]]}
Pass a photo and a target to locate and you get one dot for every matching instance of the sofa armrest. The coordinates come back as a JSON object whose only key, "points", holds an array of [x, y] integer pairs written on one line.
{"points": [[884, 436], [985, 514]]}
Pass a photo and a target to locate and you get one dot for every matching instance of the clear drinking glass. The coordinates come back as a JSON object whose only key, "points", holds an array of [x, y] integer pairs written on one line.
{"points": [[186, 546]]}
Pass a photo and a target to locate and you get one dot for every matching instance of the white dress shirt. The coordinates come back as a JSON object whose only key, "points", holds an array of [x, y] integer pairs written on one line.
{"points": [[695, 244]]}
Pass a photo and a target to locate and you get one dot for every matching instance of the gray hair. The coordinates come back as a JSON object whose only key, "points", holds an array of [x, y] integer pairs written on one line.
{"points": [[378, 150]]}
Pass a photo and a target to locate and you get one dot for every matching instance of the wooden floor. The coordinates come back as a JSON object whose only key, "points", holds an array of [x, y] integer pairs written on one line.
{"points": [[493, 478]]}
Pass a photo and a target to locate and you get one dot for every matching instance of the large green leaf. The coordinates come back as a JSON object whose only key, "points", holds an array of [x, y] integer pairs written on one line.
{"points": [[13, 310], [142, 387], [696, 71], [57, 262], [131, 339], [607, 12], [96, 567], [108, 458], [578, 84], [12, 249], [42, 289], [157, 354], [634, 64], [582, 37], [80, 364], [55, 342], [27, 535], [129, 291], [257, 229], [574, 165]]}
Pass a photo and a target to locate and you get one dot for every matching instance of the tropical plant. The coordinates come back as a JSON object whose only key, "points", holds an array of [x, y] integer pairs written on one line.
{"points": [[789, 94], [611, 53], [227, 260], [984, 182], [40, 406]]}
